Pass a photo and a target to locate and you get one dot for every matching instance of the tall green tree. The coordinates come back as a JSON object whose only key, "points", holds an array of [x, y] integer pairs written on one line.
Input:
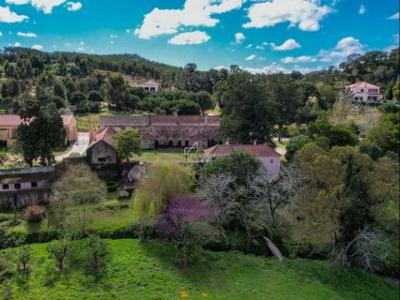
{"points": [[128, 143], [248, 111], [41, 133], [285, 94]]}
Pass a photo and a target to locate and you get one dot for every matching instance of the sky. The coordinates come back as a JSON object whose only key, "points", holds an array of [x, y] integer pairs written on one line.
{"points": [[257, 35]]}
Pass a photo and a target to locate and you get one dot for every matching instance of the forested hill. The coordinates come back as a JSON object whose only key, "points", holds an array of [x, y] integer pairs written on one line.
{"points": [[376, 66], [23, 63]]}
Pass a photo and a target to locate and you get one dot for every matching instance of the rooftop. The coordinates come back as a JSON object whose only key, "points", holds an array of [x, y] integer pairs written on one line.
{"points": [[159, 120], [15, 120], [257, 150], [362, 84], [105, 135]]}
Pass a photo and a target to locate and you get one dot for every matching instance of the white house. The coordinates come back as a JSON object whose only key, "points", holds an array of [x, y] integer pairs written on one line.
{"points": [[270, 159], [364, 92], [151, 86]]}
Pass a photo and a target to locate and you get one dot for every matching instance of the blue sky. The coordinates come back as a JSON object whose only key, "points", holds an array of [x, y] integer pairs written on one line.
{"points": [[259, 35]]}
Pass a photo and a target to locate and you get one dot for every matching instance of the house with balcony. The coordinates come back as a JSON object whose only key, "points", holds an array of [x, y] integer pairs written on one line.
{"points": [[23, 187], [364, 92]]}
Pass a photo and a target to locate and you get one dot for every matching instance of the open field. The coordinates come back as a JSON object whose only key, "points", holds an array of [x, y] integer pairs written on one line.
{"points": [[107, 215], [149, 271]]}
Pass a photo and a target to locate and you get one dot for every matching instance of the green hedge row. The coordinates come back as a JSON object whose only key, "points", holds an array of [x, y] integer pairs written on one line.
{"points": [[15, 239]]}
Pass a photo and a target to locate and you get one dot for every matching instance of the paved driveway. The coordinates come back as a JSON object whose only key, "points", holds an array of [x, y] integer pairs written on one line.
{"points": [[79, 147]]}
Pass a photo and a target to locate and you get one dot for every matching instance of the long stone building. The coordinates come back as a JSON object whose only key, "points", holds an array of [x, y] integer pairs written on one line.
{"points": [[168, 130]]}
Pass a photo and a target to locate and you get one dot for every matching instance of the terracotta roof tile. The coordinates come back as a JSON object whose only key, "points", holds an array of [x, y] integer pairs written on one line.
{"points": [[363, 84], [257, 150], [15, 120], [105, 135], [158, 120]]}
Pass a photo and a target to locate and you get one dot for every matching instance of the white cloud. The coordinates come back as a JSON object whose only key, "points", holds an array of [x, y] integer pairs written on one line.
{"points": [[249, 46], [8, 16], [251, 57], [189, 38], [306, 14], [113, 36], [276, 68], [362, 10], [395, 16], [74, 6], [193, 13], [17, 44], [37, 47], [44, 5], [18, 2], [27, 34], [290, 44], [298, 59], [1, 33], [220, 67], [239, 37], [344, 47]]}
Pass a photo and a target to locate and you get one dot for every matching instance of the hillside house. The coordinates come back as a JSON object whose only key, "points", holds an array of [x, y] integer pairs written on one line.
{"points": [[364, 92], [151, 86], [10, 123], [270, 159], [103, 150], [24, 187], [168, 130]]}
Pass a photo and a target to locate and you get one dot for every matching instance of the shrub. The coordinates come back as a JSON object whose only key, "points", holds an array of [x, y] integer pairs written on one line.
{"points": [[23, 256], [59, 251], [181, 224], [34, 214], [295, 144], [96, 255]]}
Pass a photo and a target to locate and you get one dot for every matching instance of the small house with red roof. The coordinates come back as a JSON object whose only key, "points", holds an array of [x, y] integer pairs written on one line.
{"points": [[270, 159], [364, 92], [103, 148]]}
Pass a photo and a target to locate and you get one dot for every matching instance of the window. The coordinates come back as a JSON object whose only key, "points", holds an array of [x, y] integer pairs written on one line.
{"points": [[34, 184], [17, 186], [362, 90], [6, 186], [102, 159], [271, 161]]}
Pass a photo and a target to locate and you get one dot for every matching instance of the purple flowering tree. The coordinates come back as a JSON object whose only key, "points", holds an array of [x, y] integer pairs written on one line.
{"points": [[184, 223]]}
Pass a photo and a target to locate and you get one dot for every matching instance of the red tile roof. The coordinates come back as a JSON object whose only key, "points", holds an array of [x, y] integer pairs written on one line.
{"points": [[105, 135], [15, 120], [362, 84], [257, 150], [158, 120]]}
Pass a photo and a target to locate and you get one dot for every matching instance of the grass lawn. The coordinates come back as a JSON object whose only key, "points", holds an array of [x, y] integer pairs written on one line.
{"points": [[167, 154], [82, 122], [149, 271], [107, 215]]}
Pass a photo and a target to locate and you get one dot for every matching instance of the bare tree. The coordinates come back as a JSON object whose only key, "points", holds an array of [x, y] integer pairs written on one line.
{"points": [[368, 250], [218, 191]]}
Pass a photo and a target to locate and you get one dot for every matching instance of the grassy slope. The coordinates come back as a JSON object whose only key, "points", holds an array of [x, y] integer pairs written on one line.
{"points": [[147, 271]]}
